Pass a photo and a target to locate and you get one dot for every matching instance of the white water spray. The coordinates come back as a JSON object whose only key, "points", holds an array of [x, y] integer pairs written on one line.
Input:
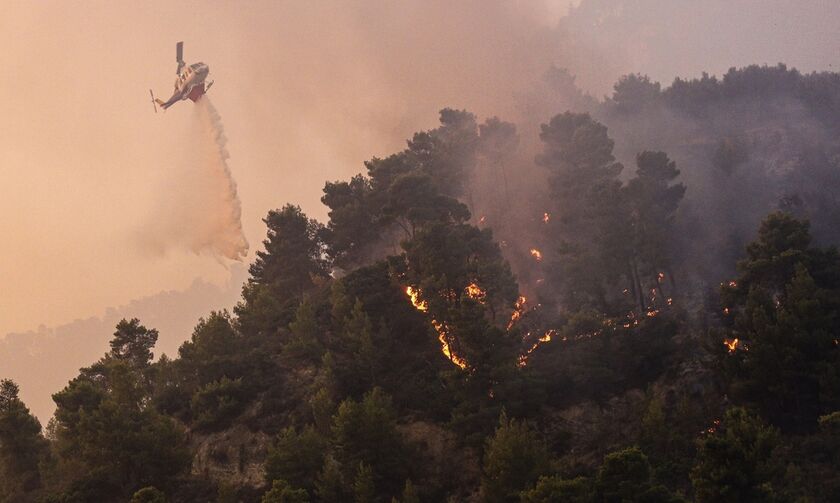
{"points": [[201, 210]]}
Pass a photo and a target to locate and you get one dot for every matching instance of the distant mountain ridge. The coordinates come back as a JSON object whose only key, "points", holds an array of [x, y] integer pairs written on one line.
{"points": [[43, 360]]}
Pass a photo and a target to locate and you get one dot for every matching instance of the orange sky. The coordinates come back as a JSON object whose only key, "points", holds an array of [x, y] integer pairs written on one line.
{"points": [[307, 91]]}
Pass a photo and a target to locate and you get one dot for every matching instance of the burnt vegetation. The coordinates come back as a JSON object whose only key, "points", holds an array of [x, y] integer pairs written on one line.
{"points": [[644, 308]]}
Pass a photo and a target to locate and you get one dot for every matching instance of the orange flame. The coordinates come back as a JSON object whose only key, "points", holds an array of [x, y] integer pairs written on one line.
{"points": [[713, 428], [421, 305], [444, 345], [414, 295], [731, 344], [482, 219], [546, 217], [523, 359], [536, 254], [475, 292], [518, 309]]}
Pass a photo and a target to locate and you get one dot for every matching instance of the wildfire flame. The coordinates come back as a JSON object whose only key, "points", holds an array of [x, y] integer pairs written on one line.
{"points": [[546, 217], [536, 254], [414, 295], [731, 344], [440, 328], [482, 219], [518, 309], [523, 359], [444, 345], [713, 428], [475, 292]]}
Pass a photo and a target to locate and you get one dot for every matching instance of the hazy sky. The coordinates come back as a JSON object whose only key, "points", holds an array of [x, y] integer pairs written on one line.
{"points": [[307, 91]]}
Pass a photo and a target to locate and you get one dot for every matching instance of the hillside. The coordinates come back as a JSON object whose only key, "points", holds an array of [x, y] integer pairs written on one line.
{"points": [[637, 300]]}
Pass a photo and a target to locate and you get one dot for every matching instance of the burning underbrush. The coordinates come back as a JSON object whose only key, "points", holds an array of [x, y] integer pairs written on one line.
{"points": [[533, 326]]}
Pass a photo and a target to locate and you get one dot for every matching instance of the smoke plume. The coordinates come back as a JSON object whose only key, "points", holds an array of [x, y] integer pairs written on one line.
{"points": [[201, 210]]}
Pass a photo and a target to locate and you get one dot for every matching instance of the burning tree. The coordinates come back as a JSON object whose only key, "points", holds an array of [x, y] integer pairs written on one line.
{"points": [[652, 201], [456, 273]]}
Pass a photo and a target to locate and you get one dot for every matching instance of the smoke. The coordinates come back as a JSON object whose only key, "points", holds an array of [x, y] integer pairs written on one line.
{"points": [[200, 210]]}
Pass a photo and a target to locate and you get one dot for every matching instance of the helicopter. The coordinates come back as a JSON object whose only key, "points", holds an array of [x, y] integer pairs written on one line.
{"points": [[191, 82]]}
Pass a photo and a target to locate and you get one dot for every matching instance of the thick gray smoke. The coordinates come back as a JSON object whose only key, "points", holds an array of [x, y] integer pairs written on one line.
{"points": [[200, 209]]}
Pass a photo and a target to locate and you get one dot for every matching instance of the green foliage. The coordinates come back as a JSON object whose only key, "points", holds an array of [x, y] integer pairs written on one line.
{"points": [[217, 403], [414, 201], [447, 153], [21, 445], [218, 373], [365, 432], [784, 309], [652, 203], [352, 379], [583, 173], [625, 476], [667, 437], [379, 339], [575, 144], [364, 490], [293, 252], [331, 486], [282, 492], [296, 457], [103, 424], [148, 494], [583, 178], [210, 353], [609, 237], [323, 406], [409, 493], [133, 342], [601, 357], [634, 92], [403, 192], [353, 229], [290, 266], [812, 471], [552, 489], [514, 458], [304, 341], [448, 258], [735, 460]]}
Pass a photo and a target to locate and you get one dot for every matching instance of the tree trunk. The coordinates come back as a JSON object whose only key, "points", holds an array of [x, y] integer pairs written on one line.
{"points": [[638, 284]]}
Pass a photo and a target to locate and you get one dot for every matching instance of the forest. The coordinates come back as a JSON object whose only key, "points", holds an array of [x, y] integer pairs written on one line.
{"points": [[636, 300]]}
